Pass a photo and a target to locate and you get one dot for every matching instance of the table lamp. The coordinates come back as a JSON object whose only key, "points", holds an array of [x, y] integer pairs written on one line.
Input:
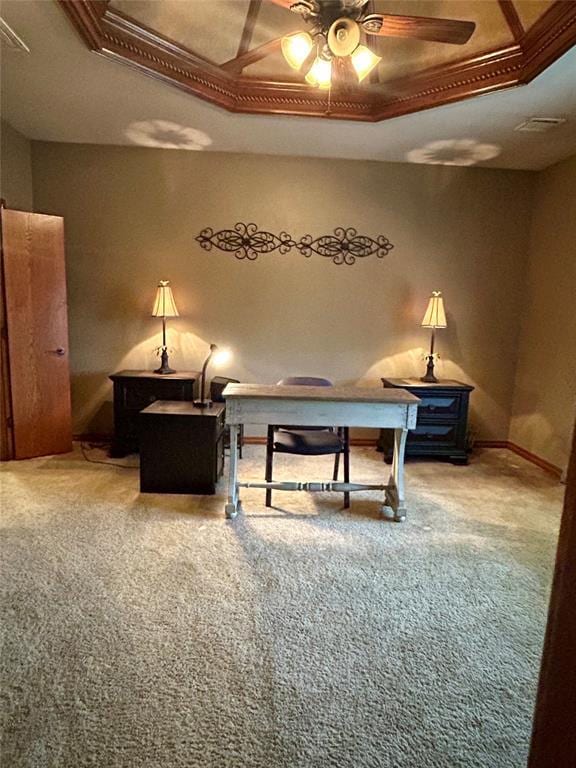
{"points": [[435, 317], [164, 306], [220, 356]]}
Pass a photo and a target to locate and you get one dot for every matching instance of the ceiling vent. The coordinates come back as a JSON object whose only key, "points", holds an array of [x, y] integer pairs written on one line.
{"points": [[10, 39], [540, 124]]}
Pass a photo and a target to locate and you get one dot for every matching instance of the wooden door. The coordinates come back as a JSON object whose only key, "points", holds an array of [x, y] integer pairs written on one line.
{"points": [[554, 730], [37, 373]]}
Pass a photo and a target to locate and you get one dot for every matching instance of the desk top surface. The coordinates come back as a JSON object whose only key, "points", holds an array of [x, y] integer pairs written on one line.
{"points": [[325, 394], [182, 408], [176, 376], [440, 384]]}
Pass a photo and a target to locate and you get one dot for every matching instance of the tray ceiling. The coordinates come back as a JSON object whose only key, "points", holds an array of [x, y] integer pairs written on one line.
{"points": [[228, 52]]}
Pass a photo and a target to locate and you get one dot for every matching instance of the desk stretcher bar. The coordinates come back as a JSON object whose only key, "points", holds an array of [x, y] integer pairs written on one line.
{"points": [[295, 485], [320, 406]]}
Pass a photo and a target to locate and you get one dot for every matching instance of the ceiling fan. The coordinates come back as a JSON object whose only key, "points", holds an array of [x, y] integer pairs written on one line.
{"points": [[336, 31]]}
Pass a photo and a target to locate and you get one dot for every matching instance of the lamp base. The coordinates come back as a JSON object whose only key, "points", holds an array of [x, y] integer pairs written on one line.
{"points": [[429, 377], [202, 403], [164, 367]]}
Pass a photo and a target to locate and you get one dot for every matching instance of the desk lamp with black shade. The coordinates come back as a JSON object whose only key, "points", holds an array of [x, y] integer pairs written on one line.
{"points": [[435, 317], [220, 356]]}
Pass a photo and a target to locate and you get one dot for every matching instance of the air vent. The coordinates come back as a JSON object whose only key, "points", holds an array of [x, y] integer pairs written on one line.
{"points": [[540, 124], [10, 39]]}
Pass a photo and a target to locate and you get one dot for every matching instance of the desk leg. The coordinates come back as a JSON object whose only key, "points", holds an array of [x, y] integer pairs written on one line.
{"points": [[395, 492], [233, 505]]}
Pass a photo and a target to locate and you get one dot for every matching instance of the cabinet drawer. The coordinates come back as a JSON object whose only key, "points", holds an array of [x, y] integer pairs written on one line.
{"points": [[439, 406], [138, 395], [434, 434]]}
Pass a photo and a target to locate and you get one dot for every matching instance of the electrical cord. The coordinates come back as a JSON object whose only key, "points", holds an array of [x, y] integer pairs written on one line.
{"points": [[85, 447]]}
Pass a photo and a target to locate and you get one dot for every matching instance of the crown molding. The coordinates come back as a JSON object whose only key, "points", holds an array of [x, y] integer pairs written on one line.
{"points": [[115, 36]]}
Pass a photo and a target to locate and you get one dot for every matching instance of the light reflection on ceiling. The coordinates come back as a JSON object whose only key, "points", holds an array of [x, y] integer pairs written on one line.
{"points": [[453, 152], [164, 134]]}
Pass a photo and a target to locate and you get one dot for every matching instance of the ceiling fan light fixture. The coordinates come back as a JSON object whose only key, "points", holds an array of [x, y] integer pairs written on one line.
{"points": [[296, 48], [320, 73], [343, 37], [364, 61]]}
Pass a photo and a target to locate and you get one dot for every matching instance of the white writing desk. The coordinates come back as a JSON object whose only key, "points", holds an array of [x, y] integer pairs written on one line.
{"points": [[316, 407]]}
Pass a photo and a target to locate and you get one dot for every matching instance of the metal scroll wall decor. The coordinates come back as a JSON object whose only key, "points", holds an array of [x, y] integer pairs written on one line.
{"points": [[246, 241]]}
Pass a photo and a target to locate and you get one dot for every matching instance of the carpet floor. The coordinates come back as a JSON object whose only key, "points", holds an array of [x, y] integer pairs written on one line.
{"points": [[144, 630]]}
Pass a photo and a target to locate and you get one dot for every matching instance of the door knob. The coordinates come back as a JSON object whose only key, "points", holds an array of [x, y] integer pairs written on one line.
{"points": [[58, 351]]}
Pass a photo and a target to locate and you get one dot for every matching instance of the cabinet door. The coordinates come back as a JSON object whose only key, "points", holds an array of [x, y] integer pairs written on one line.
{"points": [[35, 313]]}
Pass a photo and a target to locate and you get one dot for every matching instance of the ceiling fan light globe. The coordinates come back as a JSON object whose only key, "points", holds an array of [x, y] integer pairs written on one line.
{"points": [[320, 73], [364, 61], [296, 48], [343, 36]]}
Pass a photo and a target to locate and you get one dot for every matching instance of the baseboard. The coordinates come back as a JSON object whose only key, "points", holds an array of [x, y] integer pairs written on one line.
{"points": [[491, 444], [369, 442], [547, 466]]}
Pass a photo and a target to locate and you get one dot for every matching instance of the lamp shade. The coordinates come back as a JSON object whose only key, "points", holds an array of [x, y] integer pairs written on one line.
{"points": [[320, 73], [164, 304], [364, 61], [296, 48], [435, 316]]}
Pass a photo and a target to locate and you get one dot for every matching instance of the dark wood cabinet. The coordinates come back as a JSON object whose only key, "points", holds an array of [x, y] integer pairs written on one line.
{"points": [[442, 424], [181, 447], [135, 390]]}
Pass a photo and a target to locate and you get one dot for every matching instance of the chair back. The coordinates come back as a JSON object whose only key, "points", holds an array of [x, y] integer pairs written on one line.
{"points": [[217, 386], [307, 381], [307, 440]]}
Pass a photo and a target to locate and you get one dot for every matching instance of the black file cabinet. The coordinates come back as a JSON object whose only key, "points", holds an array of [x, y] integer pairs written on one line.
{"points": [[442, 422], [181, 447], [133, 391]]}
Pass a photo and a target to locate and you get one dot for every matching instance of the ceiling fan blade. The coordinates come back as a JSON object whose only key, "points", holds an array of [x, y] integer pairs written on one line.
{"points": [[251, 57], [343, 73], [421, 27]]}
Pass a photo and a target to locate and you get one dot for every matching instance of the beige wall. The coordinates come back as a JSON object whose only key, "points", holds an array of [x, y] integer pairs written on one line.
{"points": [[15, 168], [544, 404], [132, 215]]}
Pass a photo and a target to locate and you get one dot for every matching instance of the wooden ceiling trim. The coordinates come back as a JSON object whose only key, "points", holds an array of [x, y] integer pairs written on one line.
{"points": [[249, 24], [250, 57], [500, 69], [273, 98], [552, 36], [164, 59], [116, 36], [114, 22], [86, 18], [513, 20]]}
